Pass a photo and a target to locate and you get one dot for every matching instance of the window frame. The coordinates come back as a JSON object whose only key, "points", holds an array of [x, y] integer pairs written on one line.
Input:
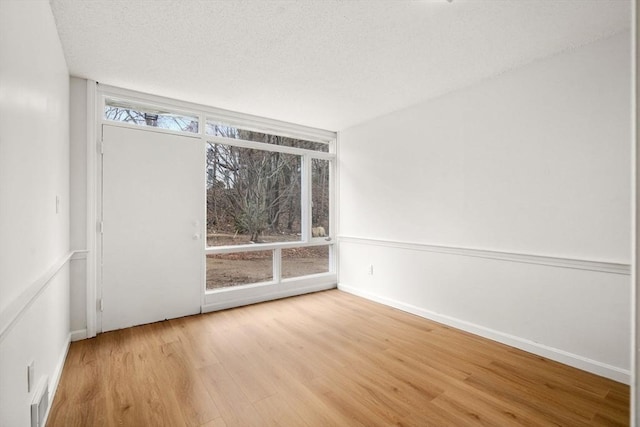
{"points": [[306, 239], [306, 182], [206, 114]]}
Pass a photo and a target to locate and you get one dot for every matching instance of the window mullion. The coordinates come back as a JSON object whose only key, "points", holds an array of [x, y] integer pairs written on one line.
{"points": [[306, 199], [277, 265]]}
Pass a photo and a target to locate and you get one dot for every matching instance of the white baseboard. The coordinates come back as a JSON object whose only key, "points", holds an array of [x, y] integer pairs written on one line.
{"points": [[78, 335], [577, 361], [223, 305], [55, 378]]}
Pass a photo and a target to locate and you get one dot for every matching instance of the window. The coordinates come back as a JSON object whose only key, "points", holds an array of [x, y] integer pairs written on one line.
{"points": [[304, 261], [229, 131], [268, 190], [253, 196], [239, 268], [320, 197], [143, 115]]}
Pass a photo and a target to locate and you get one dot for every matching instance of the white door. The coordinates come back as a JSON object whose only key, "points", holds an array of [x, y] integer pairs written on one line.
{"points": [[152, 211]]}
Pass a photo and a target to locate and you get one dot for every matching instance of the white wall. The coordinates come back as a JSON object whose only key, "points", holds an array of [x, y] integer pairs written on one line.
{"points": [[34, 169], [536, 161]]}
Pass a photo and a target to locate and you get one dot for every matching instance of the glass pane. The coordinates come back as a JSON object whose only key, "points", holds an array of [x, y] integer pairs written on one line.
{"points": [[240, 268], [121, 111], [320, 197], [304, 261], [227, 131], [253, 196]]}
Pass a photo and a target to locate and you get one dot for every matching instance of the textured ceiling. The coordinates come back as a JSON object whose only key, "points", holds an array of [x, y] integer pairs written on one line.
{"points": [[323, 63]]}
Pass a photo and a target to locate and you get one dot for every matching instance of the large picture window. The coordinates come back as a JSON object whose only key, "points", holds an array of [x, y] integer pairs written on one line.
{"points": [[253, 196], [268, 190]]}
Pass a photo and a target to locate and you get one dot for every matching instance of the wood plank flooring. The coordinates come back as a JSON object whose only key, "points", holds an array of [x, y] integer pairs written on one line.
{"points": [[324, 359]]}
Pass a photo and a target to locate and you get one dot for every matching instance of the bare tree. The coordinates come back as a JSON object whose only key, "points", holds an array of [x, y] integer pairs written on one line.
{"points": [[258, 192], [257, 187]]}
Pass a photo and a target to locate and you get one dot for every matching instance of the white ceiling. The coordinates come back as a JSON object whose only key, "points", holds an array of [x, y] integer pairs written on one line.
{"points": [[323, 63]]}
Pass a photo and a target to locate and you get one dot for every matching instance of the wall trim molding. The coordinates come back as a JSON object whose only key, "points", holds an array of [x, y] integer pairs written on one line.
{"points": [[576, 264], [16, 308], [79, 254], [613, 372]]}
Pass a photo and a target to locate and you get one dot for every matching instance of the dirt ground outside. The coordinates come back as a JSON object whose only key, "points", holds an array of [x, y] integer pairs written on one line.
{"points": [[241, 268]]}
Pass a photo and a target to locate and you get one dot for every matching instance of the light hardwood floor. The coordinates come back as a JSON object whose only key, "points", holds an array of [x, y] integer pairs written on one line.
{"points": [[324, 359]]}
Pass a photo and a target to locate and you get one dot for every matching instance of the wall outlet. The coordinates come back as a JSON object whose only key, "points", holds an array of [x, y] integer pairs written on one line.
{"points": [[370, 270]]}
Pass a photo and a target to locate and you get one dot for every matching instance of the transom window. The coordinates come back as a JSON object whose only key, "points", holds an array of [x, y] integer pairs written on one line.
{"points": [[118, 110], [228, 131]]}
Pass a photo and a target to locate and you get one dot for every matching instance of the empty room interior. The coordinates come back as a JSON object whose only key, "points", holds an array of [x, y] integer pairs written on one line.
{"points": [[314, 213]]}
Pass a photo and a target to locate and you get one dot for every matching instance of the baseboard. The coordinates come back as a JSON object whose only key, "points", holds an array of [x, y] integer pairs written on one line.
{"points": [[207, 308], [78, 335], [577, 361], [55, 377]]}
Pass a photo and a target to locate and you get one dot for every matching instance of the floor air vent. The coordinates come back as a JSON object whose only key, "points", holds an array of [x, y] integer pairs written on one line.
{"points": [[40, 404]]}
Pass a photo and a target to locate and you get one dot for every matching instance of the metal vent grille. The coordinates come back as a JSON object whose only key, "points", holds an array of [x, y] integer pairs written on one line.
{"points": [[40, 404]]}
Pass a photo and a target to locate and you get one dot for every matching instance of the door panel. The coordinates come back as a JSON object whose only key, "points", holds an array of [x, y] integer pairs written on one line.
{"points": [[153, 211]]}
